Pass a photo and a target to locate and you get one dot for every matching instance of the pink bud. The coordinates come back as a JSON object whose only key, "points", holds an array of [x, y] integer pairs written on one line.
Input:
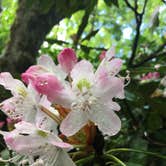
{"points": [[102, 55], [31, 73], [67, 59], [48, 85]]}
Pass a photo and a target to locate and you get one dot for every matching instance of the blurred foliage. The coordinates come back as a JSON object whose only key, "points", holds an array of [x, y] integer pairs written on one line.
{"points": [[7, 16], [112, 22]]}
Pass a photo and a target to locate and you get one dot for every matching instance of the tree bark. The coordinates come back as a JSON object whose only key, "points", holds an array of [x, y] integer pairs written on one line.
{"points": [[30, 28]]}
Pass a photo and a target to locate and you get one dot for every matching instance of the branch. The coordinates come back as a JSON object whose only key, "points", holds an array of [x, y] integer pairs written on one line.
{"points": [[91, 34], [164, 1], [143, 10], [33, 22], [130, 6], [138, 18], [84, 22], [60, 42], [153, 55]]}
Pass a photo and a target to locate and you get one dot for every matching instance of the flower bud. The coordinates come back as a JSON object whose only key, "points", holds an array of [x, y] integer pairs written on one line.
{"points": [[67, 59], [48, 85], [31, 73]]}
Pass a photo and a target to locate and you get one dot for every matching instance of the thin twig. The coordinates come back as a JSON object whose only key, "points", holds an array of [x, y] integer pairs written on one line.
{"points": [[153, 55], [138, 19], [60, 42], [130, 6]]}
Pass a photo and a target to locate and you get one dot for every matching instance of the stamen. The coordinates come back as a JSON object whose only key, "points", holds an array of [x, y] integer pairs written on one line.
{"points": [[50, 114]]}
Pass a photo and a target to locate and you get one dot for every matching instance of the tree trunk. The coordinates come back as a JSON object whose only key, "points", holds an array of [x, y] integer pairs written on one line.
{"points": [[33, 21]]}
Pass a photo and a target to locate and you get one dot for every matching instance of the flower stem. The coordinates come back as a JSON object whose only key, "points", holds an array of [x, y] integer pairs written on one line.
{"points": [[115, 159], [137, 151]]}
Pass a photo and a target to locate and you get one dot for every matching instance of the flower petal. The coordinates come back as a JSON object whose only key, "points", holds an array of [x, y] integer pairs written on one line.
{"points": [[28, 139], [74, 121], [83, 70], [109, 87], [106, 120], [110, 67], [47, 62], [33, 71], [67, 59], [50, 86], [64, 159], [110, 53], [10, 83]]}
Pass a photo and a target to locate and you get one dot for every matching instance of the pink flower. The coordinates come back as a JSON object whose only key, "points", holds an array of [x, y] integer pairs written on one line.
{"points": [[45, 65], [94, 92], [32, 72], [48, 85], [55, 91], [67, 59], [151, 76], [30, 141]]}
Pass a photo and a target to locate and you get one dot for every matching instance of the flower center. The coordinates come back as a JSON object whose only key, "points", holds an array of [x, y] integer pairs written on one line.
{"points": [[83, 83], [84, 102], [22, 91]]}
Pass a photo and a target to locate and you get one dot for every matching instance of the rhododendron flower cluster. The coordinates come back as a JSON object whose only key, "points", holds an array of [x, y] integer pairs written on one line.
{"points": [[72, 95], [151, 76]]}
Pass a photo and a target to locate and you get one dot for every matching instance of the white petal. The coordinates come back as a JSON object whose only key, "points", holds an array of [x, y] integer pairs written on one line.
{"points": [[111, 68], [64, 159], [10, 83], [82, 70], [109, 87], [112, 105], [110, 53], [46, 61], [106, 120], [49, 64], [46, 123], [74, 121]]}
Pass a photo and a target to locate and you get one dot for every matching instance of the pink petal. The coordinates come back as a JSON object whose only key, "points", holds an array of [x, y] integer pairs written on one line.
{"points": [[109, 87], [62, 145], [67, 59], [110, 67], [50, 86], [31, 73]]}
